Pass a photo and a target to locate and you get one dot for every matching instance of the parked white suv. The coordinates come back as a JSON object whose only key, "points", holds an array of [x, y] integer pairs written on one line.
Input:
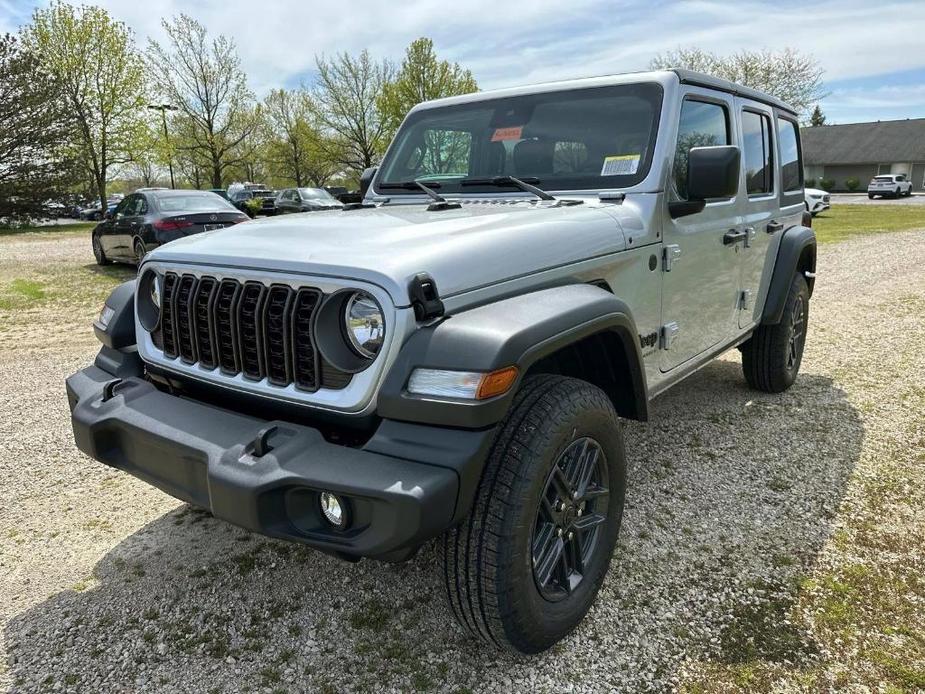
{"points": [[892, 185], [816, 200]]}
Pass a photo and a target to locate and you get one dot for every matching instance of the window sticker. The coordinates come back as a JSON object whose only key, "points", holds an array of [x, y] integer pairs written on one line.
{"points": [[620, 165], [502, 134]]}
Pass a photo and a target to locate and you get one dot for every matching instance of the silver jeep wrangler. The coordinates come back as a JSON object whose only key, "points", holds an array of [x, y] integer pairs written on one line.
{"points": [[450, 358]]}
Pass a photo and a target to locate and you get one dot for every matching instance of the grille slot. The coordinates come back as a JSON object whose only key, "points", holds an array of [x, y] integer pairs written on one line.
{"points": [[276, 335], [183, 314], [203, 327], [226, 326], [245, 328], [305, 356], [168, 331], [250, 334]]}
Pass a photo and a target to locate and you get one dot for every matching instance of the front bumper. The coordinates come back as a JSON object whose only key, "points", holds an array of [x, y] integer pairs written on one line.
{"points": [[206, 456]]}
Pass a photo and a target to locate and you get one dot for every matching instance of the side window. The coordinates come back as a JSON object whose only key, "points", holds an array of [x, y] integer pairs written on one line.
{"points": [[141, 207], [702, 124], [759, 162], [791, 165], [123, 206]]}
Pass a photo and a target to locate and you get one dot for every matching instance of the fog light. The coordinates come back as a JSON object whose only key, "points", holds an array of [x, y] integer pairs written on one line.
{"points": [[333, 510]]}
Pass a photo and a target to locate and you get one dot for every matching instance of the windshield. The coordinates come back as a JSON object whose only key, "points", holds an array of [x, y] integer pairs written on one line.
{"points": [[191, 203], [581, 139], [316, 194]]}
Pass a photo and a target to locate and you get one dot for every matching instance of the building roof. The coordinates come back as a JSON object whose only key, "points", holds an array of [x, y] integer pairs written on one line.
{"points": [[881, 142]]}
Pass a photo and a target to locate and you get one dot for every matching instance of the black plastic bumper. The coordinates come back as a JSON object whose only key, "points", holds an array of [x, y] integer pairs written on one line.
{"points": [[205, 455]]}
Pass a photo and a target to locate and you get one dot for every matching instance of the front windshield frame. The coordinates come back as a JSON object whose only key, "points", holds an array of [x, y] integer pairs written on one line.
{"points": [[651, 92], [316, 194]]}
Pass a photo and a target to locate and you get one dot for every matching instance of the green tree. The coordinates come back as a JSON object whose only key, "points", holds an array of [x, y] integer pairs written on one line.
{"points": [[344, 98], [790, 75], [295, 149], [93, 58], [35, 126], [817, 118], [204, 79], [422, 77]]}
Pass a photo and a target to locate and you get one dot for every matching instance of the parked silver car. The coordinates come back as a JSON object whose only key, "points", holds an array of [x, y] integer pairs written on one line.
{"points": [[451, 357]]}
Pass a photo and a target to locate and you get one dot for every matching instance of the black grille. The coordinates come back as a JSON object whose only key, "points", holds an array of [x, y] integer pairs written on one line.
{"points": [[251, 329], [203, 322]]}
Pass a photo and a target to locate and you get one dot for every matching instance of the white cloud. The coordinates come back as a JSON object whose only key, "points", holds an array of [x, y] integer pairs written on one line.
{"points": [[515, 43]]}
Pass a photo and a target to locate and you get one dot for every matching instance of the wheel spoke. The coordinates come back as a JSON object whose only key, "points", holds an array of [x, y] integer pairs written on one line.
{"points": [[578, 559], [594, 491], [561, 483], [550, 559], [586, 523]]}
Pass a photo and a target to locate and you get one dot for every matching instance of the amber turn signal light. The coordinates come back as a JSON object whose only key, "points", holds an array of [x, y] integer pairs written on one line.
{"points": [[496, 383]]}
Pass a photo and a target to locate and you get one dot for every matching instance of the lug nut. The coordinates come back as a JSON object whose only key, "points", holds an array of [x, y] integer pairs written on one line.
{"points": [[574, 495], [559, 532], [571, 535], [580, 511]]}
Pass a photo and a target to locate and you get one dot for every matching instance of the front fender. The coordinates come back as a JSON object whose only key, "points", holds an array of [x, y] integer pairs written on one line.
{"points": [[517, 331], [797, 251]]}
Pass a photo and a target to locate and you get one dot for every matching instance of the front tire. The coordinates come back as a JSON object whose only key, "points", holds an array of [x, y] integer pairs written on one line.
{"points": [[771, 358], [525, 566], [870, 196]]}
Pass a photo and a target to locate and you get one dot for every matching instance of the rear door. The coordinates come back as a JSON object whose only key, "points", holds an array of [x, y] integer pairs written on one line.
{"points": [[758, 206], [700, 291]]}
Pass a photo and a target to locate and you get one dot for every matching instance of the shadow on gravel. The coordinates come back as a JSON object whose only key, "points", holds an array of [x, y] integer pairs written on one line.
{"points": [[732, 495], [116, 271]]}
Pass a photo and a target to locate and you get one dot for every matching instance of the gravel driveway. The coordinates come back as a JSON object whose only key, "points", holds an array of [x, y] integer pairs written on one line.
{"points": [[745, 513], [862, 199]]}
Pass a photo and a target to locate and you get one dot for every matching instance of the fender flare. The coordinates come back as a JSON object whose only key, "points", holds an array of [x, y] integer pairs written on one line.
{"points": [[119, 333], [797, 251], [516, 331]]}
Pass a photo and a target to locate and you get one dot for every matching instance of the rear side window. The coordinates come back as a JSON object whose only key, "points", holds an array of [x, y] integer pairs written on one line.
{"points": [[791, 167], [703, 124], [759, 162]]}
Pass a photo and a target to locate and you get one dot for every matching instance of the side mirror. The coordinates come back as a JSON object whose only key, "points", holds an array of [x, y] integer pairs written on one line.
{"points": [[366, 179], [109, 214], [712, 172]]}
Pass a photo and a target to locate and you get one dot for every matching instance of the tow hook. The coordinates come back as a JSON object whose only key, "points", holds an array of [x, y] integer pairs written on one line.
{"points": [[109, 390]]}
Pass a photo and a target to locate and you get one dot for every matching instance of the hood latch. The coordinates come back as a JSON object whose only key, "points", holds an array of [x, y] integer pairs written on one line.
{"points": [[425, 299]]}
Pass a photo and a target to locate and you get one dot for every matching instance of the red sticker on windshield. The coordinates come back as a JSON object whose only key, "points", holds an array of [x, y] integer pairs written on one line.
{"points": [[502, 134]]}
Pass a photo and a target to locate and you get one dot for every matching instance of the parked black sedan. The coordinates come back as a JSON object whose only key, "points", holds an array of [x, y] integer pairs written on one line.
{"points": [[145, 220], [266, 197], [306, 200]]}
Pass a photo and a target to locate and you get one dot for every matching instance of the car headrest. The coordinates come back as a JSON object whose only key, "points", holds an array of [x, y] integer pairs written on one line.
{"points": [[533, 157]]}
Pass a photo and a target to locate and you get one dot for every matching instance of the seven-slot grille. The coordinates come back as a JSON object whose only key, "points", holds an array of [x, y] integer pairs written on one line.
{"points": [[247, 328]]}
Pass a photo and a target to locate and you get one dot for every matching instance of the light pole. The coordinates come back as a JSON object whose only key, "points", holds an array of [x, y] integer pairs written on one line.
{"points": [[163, 108]]}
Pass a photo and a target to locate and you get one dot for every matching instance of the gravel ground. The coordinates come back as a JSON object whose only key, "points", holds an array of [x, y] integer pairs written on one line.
{"points": [[746, 513], [862, 199]]}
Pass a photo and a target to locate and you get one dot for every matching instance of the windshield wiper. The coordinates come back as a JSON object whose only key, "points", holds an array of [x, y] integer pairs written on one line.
{"points": [[439, 202], [523, 183]]}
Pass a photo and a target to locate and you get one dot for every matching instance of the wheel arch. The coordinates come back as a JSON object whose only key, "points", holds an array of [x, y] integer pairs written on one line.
{"points": [[569, 330], [797, 253]]}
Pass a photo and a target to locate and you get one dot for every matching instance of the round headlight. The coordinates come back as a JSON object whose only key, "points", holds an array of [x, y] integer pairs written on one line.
{"points": [[149, 300], [364, 324]]}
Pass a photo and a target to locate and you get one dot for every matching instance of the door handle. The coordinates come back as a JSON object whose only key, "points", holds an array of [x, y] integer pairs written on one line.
{"points": [[733, 236], [773, 227]]}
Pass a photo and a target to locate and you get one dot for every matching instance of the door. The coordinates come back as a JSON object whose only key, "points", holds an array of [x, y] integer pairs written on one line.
{"points": [[110, 237], [700, 290], [125, 225], [758, 206], [283, 202]]}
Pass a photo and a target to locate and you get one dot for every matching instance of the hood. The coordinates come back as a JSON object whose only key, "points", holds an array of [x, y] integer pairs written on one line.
{"points": [[482, 243]]}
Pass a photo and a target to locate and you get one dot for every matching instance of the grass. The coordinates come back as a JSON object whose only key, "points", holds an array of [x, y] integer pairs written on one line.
{"points": [[846, 221], [21, 293], [77, 227]]}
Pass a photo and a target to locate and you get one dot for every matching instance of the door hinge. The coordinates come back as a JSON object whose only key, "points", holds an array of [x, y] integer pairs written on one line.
{"points": [[669, 334], [670, 255], [745, 300]]}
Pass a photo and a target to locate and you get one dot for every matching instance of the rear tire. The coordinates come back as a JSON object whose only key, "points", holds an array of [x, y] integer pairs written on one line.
{"points": [[98, 252], [140, 252], [512, 579], [870, 196], [771, 358]]}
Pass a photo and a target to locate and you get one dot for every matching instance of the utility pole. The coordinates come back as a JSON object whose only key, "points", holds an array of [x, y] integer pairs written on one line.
{"points": [[163, 108]]}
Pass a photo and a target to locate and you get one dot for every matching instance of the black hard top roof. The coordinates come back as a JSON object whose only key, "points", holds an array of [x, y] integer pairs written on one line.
{"points": [[701, 80]]}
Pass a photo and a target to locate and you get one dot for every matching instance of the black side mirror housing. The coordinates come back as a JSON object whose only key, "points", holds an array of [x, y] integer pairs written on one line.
{"points": [[366, 179], [712, 172]]}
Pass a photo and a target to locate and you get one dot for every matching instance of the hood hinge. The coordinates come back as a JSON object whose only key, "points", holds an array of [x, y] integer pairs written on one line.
{"points": [[425, 299]]}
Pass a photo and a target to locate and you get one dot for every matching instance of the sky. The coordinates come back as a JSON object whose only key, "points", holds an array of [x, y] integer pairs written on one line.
{"points": [[872, 51]]}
